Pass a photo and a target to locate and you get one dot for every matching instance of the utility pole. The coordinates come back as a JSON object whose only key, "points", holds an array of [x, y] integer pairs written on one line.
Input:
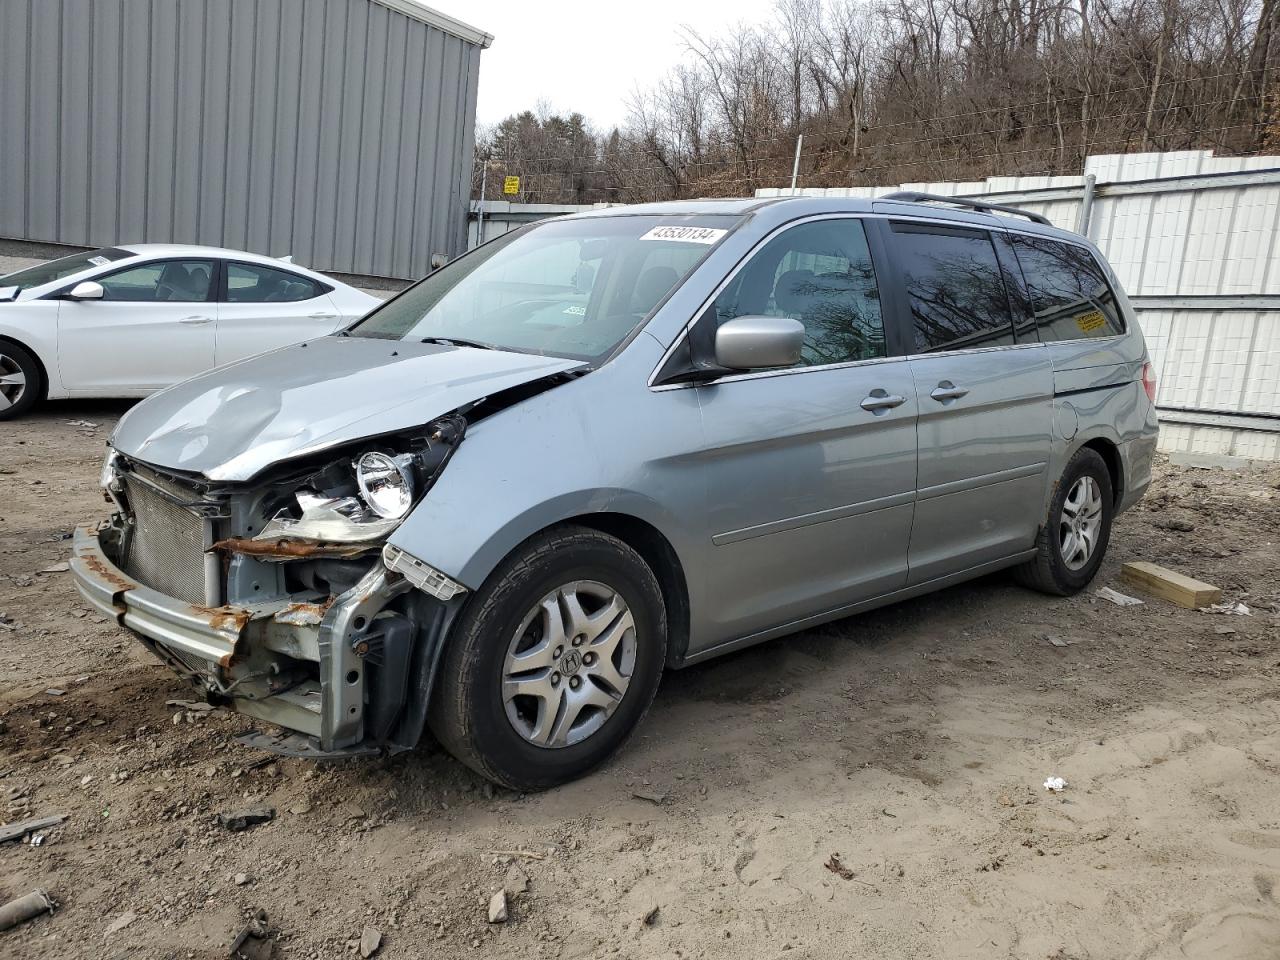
{"points": [[484, 181], [795, 167]]}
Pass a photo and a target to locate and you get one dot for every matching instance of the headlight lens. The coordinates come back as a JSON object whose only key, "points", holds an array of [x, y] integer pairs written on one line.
{"points": [[386, 484]]}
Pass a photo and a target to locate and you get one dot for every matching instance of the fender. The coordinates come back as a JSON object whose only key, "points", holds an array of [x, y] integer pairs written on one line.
{"points": [[562, 454]]}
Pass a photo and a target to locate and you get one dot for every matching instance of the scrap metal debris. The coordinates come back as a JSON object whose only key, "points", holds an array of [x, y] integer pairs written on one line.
{"points": [[25, 908]]}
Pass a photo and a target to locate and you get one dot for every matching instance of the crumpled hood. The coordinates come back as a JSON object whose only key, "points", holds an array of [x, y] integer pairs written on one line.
{"points": [[233, 422]]}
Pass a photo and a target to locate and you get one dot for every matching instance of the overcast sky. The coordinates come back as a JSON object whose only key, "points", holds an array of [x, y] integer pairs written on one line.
{"points": [[585, 55]]}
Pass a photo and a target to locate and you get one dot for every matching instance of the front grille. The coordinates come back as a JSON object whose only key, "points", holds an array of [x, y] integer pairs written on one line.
{"points": [[166, 550]]}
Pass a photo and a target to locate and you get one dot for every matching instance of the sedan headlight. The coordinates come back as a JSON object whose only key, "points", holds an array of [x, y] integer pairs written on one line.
{"points": [[386, 483]]}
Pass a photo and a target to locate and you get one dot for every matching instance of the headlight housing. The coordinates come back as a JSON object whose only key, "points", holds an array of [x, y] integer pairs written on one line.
{"points": [[386, 483], [358, 502], [108, 478]]}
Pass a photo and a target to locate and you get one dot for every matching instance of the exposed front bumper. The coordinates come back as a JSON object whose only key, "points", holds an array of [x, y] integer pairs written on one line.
{"points": [[206, 634], [222, 648]]}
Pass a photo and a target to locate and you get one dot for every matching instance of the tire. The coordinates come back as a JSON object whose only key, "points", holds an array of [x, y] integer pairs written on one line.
{"points": [[1050, 572], [511, 738], [16, 364]]}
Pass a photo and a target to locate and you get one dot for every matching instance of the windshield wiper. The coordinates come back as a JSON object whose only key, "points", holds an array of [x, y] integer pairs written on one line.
{"points": [[459, 342]]}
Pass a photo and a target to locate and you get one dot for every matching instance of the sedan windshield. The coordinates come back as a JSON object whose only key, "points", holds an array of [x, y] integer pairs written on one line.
{"points": [[43, 273], [567, 288]]}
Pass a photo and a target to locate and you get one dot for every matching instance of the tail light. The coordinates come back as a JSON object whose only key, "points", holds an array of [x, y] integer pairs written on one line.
{"points": [[1149, 381]]}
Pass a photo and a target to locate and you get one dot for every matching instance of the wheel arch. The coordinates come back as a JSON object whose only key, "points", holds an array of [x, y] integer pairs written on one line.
{"points": [[654, 548], [656, 551], [43, 393], [1110, 453]]}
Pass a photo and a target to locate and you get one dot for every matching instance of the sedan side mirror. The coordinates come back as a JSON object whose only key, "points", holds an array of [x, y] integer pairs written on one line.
{"points": [[85, 290], [759, 343]]}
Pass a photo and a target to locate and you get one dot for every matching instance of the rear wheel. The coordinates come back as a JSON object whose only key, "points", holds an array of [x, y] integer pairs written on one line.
{"points": [[554, 662], [1073, 539], [19, 380]]}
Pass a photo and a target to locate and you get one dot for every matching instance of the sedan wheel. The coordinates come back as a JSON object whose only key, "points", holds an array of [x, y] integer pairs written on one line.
{"points": [[13, 382], [569, 664], [19, 381]]}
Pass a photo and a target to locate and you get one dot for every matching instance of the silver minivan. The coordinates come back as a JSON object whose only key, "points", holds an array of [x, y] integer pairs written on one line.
{"points": [[597, 447]]}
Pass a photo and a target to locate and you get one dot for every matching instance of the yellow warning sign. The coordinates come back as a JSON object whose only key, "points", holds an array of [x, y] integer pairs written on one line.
{"points": [[1089, 322], [511, 185]]}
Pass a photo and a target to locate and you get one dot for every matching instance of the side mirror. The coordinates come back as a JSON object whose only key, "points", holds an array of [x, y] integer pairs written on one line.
{"points": [[758, 343], [85, 290]]}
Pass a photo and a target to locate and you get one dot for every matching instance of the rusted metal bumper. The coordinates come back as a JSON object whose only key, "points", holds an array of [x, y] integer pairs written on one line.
{"points": [[232, 652], [203, 643], [205, 633]]}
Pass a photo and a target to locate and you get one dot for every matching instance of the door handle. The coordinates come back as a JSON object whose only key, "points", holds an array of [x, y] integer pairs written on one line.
{"points": [[196, 320], [323, 316], [947, 391], [879, 401]]}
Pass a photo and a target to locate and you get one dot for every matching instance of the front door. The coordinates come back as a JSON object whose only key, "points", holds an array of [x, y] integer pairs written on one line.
{"points": [[985, 393], [810, 471], [153, 327], [264, 308]]}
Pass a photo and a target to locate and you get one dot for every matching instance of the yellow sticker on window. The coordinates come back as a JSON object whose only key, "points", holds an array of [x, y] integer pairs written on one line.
{"points": [[1089, 322]]}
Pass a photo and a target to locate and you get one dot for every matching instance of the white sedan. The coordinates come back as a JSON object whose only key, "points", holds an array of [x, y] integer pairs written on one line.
{"points": [[126, 321]]}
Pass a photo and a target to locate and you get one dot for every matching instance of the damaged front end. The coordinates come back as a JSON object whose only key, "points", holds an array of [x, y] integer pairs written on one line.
{"points": [[278, 597]]}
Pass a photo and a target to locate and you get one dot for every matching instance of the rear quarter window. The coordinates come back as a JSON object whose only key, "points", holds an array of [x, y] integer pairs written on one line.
{"points": [[1070, 295]]}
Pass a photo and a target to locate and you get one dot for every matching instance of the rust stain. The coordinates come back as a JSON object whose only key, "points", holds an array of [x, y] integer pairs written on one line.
{"points": [[106, 573], [304, 614], [224, 618], [286, 549]]}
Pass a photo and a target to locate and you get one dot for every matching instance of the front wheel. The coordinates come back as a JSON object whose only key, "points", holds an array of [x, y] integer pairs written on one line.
{"points": [[19, 381], [554, 661], [1074, 537]]}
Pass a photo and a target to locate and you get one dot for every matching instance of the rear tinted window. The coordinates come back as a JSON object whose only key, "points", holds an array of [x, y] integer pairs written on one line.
{"points": [[253, 283], [1069, 292], [955, 287]]}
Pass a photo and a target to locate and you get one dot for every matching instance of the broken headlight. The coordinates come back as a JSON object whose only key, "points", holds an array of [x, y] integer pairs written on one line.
{"points": [[328, 520], [361, 501], [386, 483]]}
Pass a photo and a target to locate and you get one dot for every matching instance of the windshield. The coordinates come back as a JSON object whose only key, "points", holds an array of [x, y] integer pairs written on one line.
{"points": [[43, 273], [568, 288]]}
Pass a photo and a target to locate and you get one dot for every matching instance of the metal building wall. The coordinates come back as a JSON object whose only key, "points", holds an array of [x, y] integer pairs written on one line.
{"points": [[1195, 241], [336, 130]]}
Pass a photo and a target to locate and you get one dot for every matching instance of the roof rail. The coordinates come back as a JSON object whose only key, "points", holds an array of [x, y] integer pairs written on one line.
{"points": [[911, 196]]}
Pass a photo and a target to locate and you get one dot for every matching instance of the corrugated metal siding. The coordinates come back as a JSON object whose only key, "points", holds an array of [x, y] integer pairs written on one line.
{"points": [[336, 130]]}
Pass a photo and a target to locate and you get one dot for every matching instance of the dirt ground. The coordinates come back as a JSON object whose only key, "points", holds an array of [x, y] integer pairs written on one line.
{"points": [[869, 789]]}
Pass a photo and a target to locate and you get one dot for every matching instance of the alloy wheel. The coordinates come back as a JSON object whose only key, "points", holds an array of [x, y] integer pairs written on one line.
{"points": [[13, 382], [1080, 523], [569, 664]]}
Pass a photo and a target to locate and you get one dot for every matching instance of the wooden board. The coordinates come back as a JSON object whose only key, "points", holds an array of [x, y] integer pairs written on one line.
{"points": [[15, 831], [1170, 585]]}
